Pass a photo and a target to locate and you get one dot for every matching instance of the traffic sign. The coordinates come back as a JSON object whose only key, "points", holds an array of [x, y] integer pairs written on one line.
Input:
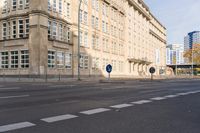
{"points": [[152, 70], [109, 68]]}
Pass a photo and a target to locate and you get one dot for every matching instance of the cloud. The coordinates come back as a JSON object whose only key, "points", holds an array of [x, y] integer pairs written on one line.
{"points": [[179, 17]]}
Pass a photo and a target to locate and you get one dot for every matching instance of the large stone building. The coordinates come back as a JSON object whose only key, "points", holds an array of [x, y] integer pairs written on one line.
{"points": [[39, 37]]}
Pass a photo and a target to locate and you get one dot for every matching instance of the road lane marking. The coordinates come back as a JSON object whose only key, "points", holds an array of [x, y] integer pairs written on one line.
{"points": [[55, 86], [8, 97], [15, 126], [141, 102], [11, 88], [95, 111], [58, 118], [158, 98], [119, 106], [170, 96], [183, 93]]}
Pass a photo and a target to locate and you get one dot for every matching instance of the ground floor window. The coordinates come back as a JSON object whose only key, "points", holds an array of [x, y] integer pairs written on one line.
{"points": [[4, 60], [14, 59], [60, 59], [51, 59], [84, 61], [25, 59], [68, 60]]}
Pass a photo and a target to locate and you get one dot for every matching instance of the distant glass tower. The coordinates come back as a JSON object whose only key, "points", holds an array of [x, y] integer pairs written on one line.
{"points": [[191, 39]]}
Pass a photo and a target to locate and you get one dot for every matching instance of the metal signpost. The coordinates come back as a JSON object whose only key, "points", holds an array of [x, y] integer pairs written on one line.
{"points": [[109, 70], [152, 70]]}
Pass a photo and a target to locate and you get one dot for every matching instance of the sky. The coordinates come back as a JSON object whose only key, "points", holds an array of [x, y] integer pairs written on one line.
{"points": [[178, 16]]}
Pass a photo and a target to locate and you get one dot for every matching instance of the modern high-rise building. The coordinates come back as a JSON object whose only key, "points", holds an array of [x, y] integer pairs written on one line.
{"points": [[40, 37], [191, 39], [175, 54]]}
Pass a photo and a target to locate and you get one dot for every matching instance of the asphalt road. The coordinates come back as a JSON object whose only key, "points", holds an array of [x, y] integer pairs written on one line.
{"points": [[171, 106]]}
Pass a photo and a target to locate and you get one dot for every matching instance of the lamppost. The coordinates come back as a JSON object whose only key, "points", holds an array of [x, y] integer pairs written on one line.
{"points": [[176, 61], [79, 33]]}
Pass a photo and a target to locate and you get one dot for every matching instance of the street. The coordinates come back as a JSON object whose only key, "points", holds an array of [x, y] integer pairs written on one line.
{"points": [[162, 106]]}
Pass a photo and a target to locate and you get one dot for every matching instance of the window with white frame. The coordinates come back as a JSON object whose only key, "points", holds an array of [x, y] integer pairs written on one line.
{"points": [[68, 60], [60, 31], [49, 29], [20, 28], [24, 59], [93, 21], [14, 59], [68, 34], [4, 60], [93, 4], [54, 5], [85, 17], [54, 34], [86, 62], [86, 39], [14, 29], [81, 38], [81, 61], [20, 4], [9, 31], [68, 10], [51, 59], [81, 16], [49, 5], [27, 3], [60, 6], [60, 59], [27, 27], [5, 5], [4, 30], [97, 5], [14, 4], [97, 23]]}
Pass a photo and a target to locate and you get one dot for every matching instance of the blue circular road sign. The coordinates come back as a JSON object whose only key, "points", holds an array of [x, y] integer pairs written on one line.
{"points": [[109, 68]]}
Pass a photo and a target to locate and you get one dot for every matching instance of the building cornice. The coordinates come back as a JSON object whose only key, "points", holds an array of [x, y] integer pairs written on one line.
{"points": [[140, 9], [157, 36]]}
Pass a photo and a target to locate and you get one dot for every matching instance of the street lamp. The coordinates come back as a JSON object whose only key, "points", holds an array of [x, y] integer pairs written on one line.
{"points": [[79, 33]]}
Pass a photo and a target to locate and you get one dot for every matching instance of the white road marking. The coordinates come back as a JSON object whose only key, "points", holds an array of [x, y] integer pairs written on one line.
{"points": [[11, 88], [59, 118], [170, 96], [141, 102], [158, 98], [55, 86], [119, 106], [183, 93], [15, 126], [8, 97], [95, 111]]}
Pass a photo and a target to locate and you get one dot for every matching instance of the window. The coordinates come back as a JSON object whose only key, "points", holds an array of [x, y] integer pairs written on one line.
{"points": [[81, 16], [60, 6], [21, 28], [60, 59], [4, 60], [68, 60], [5, 4], [24, 59], [81, 38], [85, 17], [14, 59], [86, 62], [49, 29], [49, 5], [54, 30], [86, 39], [9, 30], [27, 28], [51, 59], [21, 4], [14, 4], [93, 21], [68, 10], [14, 29], [61, 32], [68, 34], [81, 61], [54, 5], [27, 3], [4, 30], [97, 23]]}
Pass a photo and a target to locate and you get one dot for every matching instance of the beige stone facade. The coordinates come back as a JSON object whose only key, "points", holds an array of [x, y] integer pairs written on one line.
{"points": [[39, 37]]}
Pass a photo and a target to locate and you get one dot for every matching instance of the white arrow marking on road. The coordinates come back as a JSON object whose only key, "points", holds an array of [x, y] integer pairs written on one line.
{"points": [[20, 96], [15, 126]]}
